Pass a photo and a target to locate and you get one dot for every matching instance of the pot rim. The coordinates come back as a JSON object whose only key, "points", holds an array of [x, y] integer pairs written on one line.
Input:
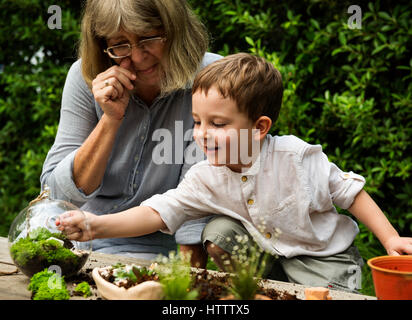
{"points": [[110, 291], [380, 258]]}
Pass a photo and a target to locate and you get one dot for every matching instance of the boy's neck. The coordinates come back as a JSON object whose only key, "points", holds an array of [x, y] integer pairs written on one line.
{"points": [[240, 168]]}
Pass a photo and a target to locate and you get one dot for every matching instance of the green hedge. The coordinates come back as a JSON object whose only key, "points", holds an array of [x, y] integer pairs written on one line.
{"points": [[30, 93], [348, 90]]}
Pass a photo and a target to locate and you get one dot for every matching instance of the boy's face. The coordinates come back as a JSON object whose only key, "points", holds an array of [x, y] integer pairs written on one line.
{"points": [[222, 131]]}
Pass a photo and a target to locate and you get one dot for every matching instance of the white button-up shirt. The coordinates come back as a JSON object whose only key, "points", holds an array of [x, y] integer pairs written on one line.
{"points": [[285, 200]]}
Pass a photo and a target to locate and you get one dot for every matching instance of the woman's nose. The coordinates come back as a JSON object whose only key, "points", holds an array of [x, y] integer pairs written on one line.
{"points": [[138, 54]]}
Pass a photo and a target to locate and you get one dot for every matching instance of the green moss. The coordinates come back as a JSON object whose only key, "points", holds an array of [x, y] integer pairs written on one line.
{"points": [[51, 250], [84, 289], [38, 279], [44, 289], [24, 250], [37, 252], [44, 234]]}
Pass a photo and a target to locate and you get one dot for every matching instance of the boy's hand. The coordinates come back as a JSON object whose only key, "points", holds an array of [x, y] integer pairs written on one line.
{"points": [[396, 246], [75, 225]]}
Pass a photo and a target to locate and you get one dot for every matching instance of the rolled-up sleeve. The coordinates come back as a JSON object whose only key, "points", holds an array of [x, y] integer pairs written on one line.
{"points": [[344, 186], [61, 183], [179, 205], [326, 181], [77, 120]]}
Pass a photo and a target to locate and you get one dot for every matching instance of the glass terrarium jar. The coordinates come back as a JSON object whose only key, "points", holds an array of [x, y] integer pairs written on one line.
{"points": [[35, 243]]}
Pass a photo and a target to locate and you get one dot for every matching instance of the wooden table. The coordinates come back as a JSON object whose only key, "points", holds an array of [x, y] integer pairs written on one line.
{"points": [[14, 286]]}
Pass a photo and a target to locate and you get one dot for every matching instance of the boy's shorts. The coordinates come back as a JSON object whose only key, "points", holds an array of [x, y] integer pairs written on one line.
{"points": [[189, 233], [341, 271]]}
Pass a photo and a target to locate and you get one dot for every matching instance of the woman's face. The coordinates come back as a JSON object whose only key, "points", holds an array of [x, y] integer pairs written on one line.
{"points": [[145, 63]]}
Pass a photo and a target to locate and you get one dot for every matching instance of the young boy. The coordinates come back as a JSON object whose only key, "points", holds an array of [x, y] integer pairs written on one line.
{"points": [[278, 189]]}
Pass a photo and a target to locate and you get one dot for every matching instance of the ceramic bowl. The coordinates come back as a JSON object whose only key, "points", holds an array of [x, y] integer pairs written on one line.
{"points": [[148, 290]]}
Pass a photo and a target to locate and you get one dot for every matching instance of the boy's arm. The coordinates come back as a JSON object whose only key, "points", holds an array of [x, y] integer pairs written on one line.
{"points": [[136, 221], [368, 212]]}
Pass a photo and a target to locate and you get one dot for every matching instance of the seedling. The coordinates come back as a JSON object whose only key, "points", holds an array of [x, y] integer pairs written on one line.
{"points": [[176, 277], [246, 266]]}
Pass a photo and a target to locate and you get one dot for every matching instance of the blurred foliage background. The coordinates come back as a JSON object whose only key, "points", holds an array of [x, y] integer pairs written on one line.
{"points": [[346, 89]]}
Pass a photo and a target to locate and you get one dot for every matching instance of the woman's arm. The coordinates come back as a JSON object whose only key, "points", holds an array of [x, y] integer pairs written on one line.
{"points": [[91, 159], [111, 91], [368, 212], [83, 144]]}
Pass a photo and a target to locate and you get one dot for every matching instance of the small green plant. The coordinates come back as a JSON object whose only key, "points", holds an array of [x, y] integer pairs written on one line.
{"points": [[132, 273], [83, 289], [176, 277], [47, 285], [246, 266]]}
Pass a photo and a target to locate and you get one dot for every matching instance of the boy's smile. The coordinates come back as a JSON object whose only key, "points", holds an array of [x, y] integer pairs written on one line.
{"points": [[221, 130]]}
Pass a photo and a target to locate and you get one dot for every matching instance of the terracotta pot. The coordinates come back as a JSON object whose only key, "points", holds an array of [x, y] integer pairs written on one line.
{"points": [[392, 277], [148, 290]]}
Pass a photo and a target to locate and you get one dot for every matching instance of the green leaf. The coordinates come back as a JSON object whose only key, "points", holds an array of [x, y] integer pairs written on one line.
{"points": [[379, 49], [342, 38], [336, 51], [250, 41], [384, 15], [315, 23]]}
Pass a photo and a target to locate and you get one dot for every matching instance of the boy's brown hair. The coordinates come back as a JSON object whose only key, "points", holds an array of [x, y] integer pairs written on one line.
{"points": [[251, 81]]}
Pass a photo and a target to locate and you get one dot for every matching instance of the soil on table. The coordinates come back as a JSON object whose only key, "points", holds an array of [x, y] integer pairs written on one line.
{"points": [[211, 286]]}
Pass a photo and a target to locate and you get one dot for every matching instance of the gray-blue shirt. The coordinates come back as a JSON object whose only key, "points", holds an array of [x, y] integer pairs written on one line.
{"points": [[131, 175]]}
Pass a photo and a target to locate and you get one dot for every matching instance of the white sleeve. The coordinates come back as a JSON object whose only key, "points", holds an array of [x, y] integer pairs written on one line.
{"points": [[179, 205], [328, 182]]}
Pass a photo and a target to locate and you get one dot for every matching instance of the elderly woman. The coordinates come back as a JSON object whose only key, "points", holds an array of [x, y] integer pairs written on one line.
{"points": [[137, 59]]}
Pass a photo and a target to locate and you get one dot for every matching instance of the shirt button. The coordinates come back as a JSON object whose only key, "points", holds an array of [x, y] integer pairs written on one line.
{"points": [[136, 158], [244, 178], [268, 235], [250, 202]]}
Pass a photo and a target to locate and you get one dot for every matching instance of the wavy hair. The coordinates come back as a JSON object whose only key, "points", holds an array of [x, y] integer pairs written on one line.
{"points": [[251, 81], [186, 44]]}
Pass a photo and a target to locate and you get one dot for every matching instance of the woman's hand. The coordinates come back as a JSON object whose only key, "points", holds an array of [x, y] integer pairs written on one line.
{"points": [[77, 226], [111, 89]]}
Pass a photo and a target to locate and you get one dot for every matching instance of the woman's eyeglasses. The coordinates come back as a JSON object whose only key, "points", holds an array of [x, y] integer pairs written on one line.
{"points": [[125, 50]]}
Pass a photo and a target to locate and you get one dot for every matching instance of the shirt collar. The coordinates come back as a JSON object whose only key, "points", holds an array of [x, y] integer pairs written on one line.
{"points": [[257, 165]]}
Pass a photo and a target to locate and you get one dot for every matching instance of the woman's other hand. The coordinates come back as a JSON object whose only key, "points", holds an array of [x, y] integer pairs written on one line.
{"points": [[111, 89]]}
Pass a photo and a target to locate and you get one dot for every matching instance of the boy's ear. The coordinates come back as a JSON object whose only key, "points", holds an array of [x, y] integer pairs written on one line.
{"points": [[263, 125]]}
